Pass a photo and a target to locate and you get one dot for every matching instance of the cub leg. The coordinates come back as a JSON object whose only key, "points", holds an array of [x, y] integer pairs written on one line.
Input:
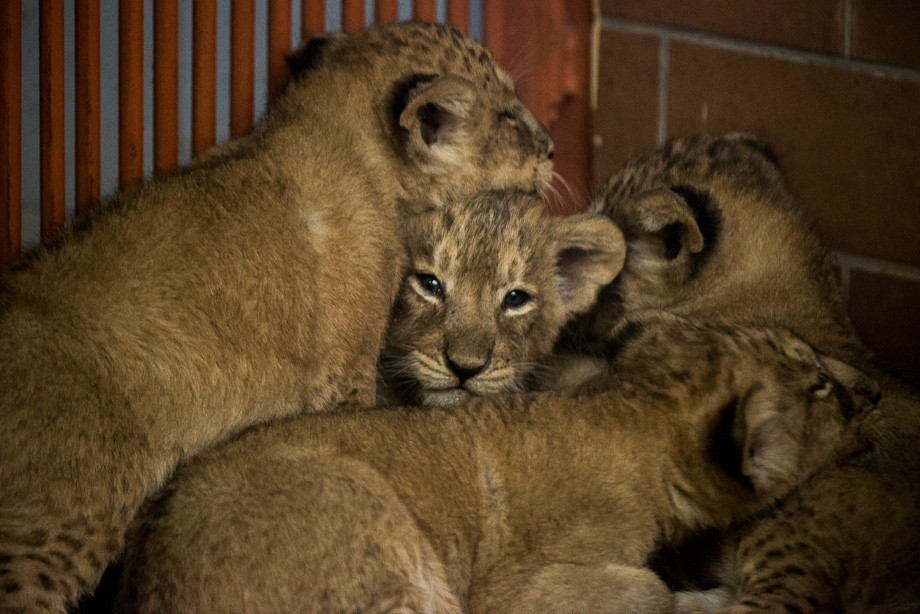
{"points": [[587, 589], [352, 545]]}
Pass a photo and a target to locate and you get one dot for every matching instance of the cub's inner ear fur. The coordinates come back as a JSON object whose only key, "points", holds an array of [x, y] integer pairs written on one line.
{"points": [[436, 113], [661, 223], [590, 251]]}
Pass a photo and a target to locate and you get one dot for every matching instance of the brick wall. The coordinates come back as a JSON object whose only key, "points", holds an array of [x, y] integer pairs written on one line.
{"points": [[832, 85]]}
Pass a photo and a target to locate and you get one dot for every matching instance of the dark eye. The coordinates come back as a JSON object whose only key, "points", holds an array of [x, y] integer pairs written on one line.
{"points": [[508, 116], [515, 299], [822, 388], [430, 284]]}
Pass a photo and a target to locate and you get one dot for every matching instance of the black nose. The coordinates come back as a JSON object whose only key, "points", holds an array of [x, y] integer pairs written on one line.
{"points": [[549, 152], [467, 370]]}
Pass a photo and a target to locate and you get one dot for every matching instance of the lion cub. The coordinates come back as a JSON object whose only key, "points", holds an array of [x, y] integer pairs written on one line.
{"points": [[526, 504], [491, 282], [252, 285]]}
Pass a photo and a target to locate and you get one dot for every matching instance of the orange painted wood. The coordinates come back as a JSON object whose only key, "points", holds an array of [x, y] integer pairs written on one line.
{"points": [[242, 71], [165, 85], [352, 15], [204, 67], [130, 92], [424, 10], [279, 43], [549, 43], [51, 110], [86, 83], [10, 131], [458, 14], [493, 30], [312, 18], [386, 11]]}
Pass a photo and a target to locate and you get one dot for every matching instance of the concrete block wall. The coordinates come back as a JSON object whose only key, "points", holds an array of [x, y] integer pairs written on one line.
{"points": [[832, 85]]}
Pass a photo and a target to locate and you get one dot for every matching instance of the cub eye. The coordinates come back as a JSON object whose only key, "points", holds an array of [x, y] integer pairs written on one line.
{"points": [[822, 388], [430, 285], [509, 117], [515, 299]]}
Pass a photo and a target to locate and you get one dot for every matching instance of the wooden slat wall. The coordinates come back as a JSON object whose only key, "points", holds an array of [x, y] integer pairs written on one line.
{"points": [[242, 71], [279, 43], [86, 76], [130, 79], [130, 92], [204, 78], [10, 126], [51, 101], [165, 85]]}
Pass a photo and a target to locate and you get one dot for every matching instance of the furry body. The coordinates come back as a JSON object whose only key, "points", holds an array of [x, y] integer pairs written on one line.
{"points": [[714, 234], [252, 285], [535, 503]]}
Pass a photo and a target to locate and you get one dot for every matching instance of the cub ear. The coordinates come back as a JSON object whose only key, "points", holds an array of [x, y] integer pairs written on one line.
{"points": [[436, 116], [590, 251], [664, 228], [310, 54], [769, 452]]}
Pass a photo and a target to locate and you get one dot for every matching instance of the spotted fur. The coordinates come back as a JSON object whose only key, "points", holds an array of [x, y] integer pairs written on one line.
{"points": [[714, 233], [254, 284], [491, 282], [519, 504]]}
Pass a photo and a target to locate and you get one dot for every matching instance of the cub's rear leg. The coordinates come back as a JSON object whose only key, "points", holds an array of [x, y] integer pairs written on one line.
{"points": [[587, 589], [352, 546]]}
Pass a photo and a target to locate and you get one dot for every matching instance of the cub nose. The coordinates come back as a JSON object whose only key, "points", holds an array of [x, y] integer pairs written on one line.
{"points": [[467, 368]]}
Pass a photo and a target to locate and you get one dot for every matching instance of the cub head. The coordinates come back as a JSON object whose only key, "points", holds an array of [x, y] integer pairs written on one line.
{"points": [[491, 282], [712, 229], [449, 115], [792, 411]]}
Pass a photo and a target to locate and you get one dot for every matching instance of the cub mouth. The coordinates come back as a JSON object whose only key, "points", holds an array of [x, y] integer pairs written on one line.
{"points": [[444, 397]]}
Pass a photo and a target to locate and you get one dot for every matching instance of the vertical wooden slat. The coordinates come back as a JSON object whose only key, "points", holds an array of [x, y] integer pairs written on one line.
{"points": [[130, 92], [86, 82], [51, 110], [165, 85], [493, 30], [424, 10], [312, 18], [352, 15], [10, 109], [204, 67], [279, 43], [386, 11], [458, 14], [242, 71]]}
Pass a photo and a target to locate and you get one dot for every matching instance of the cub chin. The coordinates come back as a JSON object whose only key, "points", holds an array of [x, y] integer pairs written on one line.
{"points": [[254, 284], [491, 282], [521, 503]]}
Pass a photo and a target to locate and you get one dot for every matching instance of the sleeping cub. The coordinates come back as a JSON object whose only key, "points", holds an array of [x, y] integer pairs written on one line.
{"points": [[491, 282], [526, 504]]}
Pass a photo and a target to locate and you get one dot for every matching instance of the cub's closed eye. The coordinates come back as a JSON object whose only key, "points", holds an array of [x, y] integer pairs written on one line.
{"points": [[515, 299], [429, 284], [508, 116], [822, 388]]}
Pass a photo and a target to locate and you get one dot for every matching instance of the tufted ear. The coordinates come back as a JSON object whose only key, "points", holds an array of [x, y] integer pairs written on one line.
{"points": [[589, 253], [436, 116]]}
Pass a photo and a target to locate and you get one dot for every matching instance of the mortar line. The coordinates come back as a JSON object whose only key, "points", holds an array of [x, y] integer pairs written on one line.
{"points": [[799, 56]]}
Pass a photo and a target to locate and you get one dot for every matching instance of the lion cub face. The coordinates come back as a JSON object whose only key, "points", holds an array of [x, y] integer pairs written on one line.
{"points": [[804, 411], [491, 283]]}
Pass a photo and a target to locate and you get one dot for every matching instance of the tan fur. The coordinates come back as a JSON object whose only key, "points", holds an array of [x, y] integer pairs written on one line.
{"points": [[713, 233], [524, 504], [490, 284], [249, 286]]}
